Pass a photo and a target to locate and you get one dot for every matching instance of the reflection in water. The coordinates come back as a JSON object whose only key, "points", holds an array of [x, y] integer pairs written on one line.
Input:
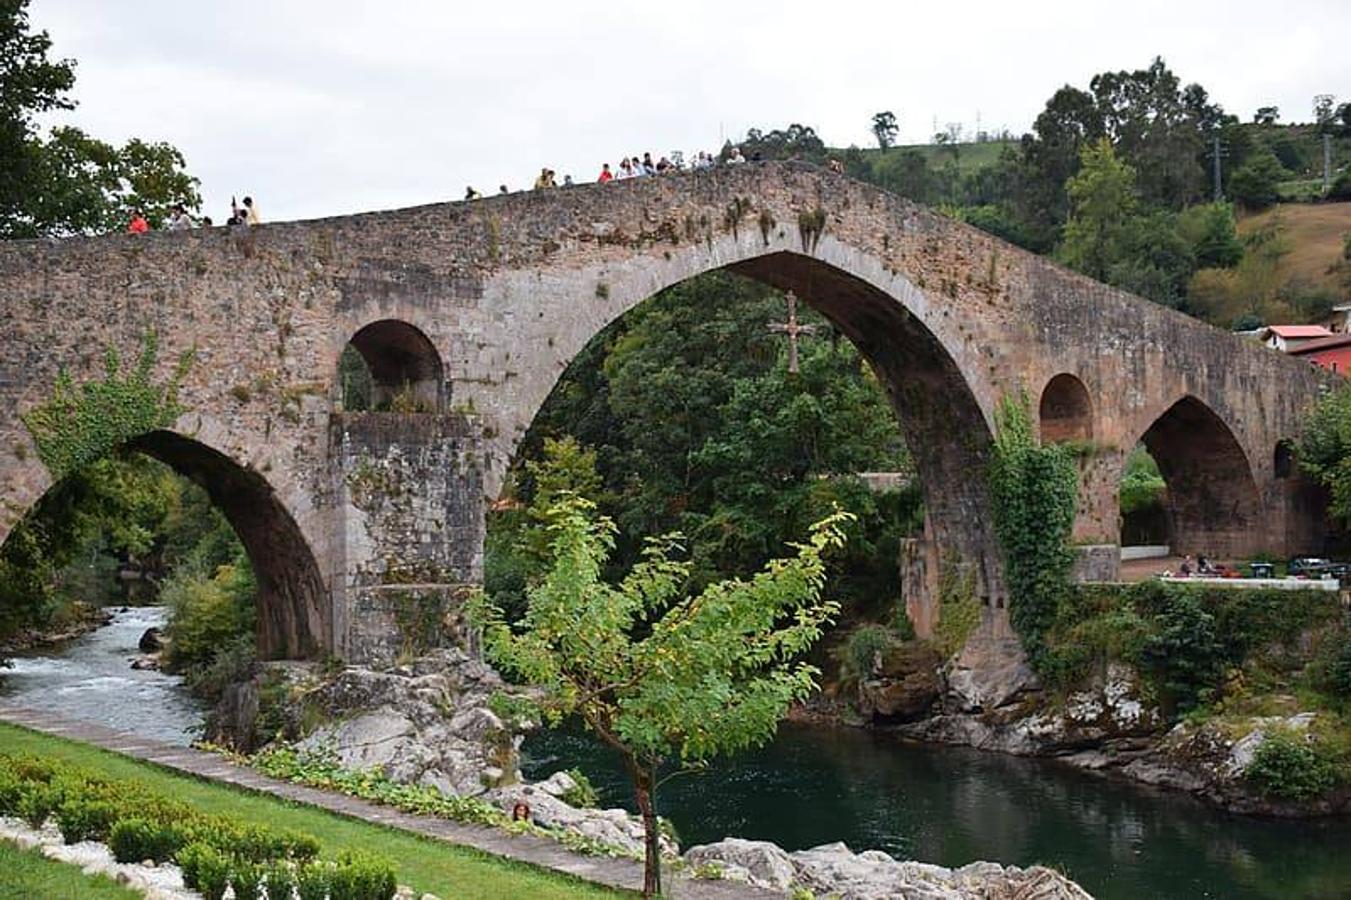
{"points": [[91, 679], [952, 805]]}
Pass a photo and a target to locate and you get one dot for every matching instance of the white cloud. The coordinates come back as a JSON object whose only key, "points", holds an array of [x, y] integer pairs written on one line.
{"points": [[320, 108]]}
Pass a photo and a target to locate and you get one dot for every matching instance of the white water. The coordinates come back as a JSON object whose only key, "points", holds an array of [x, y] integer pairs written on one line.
{"points": [[91, 679]]}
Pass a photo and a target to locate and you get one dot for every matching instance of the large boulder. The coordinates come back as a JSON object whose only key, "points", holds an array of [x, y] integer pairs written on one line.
{"points": [[836, 871], [427, 722], [152, 641], [989, 673], [755, 862], [906, 685]]}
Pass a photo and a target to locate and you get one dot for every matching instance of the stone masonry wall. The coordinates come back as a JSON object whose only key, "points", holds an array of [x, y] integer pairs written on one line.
{"points": [[509, 289], [411, 493]]}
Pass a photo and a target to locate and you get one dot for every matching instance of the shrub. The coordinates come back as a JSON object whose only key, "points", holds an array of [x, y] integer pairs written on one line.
{"points": [[1339, 672], [359, 876], [37, 802], [313, 880], [213, 874], [134, 840], [1291, 767], [861, 649], [281, 881], [247, 879], [583, 796], [11, 789], [86, 820], [191, 859], [1185, 654]]}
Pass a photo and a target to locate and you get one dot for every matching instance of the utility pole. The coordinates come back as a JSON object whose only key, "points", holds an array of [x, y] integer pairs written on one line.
{"points": [[1327, 163], [1217, 152]]}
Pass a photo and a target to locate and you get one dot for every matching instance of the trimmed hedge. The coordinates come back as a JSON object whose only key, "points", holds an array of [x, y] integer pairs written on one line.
{"points": [[214, 852]]}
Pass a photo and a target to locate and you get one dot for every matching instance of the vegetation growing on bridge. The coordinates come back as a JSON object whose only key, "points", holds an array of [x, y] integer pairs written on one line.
{"points": [[1032, 493], [81, 423]]}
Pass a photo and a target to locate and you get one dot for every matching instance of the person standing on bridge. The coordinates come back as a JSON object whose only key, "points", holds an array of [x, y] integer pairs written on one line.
{"points": [[138, 223], [605, 174]]}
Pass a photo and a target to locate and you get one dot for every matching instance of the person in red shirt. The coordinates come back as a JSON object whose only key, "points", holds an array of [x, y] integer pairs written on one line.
{"points": [[605, 174], [138, 224]]}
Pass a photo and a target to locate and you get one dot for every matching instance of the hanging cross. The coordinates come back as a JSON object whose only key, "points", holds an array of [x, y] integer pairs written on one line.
{"points": [[792, 328]]}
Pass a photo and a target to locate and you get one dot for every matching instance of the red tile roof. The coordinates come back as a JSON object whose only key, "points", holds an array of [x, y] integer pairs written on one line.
{"points": [[1299, 331], [1327, 343]]}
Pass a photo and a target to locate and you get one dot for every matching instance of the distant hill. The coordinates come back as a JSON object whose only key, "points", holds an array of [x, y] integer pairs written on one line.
{"points": [[969, 157], [1313, 234]]}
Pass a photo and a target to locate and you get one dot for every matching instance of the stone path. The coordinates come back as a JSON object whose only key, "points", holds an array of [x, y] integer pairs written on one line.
{"points": [[619, 873]]}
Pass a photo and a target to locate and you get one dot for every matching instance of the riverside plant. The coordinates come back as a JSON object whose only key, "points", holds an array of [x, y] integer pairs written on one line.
{"points": [[320, 770]]}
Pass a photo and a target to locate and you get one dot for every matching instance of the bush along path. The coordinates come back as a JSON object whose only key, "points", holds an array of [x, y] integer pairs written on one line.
{"points": [[449, 866], [140, 827]]}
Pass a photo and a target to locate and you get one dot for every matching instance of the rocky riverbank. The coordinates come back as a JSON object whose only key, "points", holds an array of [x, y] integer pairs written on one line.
{"points": [[432, 722], [75, 621], [1110, 727]]}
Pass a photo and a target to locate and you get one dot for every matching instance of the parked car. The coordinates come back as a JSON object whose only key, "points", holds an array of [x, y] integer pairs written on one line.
{"points": [[1317, 567]]}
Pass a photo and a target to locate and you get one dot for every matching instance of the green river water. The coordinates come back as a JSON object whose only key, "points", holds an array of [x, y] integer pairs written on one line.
{"points": [[953, 805]]}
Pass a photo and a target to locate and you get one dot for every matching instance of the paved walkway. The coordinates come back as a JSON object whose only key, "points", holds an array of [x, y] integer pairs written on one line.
{"points": [[620, 873]]}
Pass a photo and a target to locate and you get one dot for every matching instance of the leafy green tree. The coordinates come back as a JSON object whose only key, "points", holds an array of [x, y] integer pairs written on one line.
{"points": [[1212, 232], [885, 129], [68, 182], [664, 677], [1103, 200], [1253, 184], [1325, 451]]}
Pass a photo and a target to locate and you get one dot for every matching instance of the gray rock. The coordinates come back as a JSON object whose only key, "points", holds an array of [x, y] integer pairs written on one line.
{"points": [[759, 863], [989, 673], [834, 870], [426, 722]]}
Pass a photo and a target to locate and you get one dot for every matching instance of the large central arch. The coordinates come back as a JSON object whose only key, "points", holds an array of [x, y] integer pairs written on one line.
{"points": [[936, 402]]}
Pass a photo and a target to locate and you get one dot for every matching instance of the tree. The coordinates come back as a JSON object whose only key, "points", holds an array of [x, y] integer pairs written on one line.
{"points": [[1266, 116], [1324, 111], [1325, 451], [1103, 199], [68, 182], [1211, 230], [663, 677], [885, 129], [1253, 184]]}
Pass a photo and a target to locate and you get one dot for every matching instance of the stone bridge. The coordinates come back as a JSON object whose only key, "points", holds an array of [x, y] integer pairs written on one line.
{"points": [[354, 519]]}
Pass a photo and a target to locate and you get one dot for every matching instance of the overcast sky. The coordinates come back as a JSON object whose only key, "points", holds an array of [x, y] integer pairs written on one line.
{"points": [[322, 107]]}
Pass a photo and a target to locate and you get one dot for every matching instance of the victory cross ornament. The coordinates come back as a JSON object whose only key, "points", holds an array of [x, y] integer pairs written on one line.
{"points": [[792, 328]]}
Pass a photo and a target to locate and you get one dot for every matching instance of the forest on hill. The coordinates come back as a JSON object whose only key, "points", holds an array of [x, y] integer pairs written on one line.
{"points": [[1116, 180]]}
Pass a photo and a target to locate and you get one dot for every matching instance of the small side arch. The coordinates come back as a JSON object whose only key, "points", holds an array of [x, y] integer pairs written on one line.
{"points": [[1213, 504], [403, 369], [1066, 411]]}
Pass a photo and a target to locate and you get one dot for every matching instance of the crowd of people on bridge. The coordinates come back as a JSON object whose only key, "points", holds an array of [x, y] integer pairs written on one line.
{"points": [[246, 214], [179, 219]]}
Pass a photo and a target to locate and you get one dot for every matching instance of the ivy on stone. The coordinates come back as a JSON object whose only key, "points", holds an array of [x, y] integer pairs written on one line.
{"points": [[82, 422], [1032, 488]]}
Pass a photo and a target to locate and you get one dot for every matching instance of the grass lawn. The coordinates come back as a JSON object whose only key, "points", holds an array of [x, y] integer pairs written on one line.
{"points": [[426, 865], [29, 875]]}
